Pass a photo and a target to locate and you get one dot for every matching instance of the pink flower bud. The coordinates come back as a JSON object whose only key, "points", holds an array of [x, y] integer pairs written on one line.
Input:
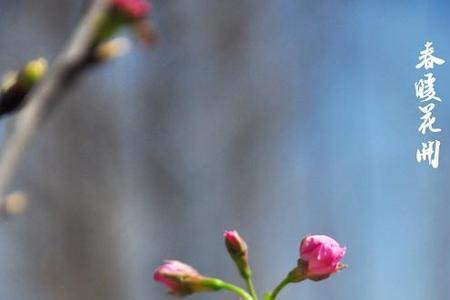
{"points": [[136, 9], [182, 279], [237, 248], [320, 256]]}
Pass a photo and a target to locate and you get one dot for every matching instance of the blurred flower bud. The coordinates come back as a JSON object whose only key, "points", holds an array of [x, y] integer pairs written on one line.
{"points": [[122, 13], [112, 49], [145, 32], [33, 72], [8, 80], [15, 203], [182, 279], [16, 85], [320, 256], [134, 9], [237, 248]]}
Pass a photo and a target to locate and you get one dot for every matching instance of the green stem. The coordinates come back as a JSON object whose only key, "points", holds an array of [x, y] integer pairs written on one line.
{"points": [[237, 290], [279, 287], [250, 287]]}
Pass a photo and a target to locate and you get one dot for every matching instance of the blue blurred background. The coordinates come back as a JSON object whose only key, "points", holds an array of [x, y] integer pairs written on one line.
{"points": [[274, 118]]}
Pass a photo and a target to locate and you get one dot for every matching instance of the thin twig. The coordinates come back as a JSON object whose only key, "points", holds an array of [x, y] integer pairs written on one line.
{"points": [[44, 96]]}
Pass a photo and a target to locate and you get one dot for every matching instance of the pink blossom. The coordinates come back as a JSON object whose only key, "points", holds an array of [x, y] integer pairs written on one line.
{"points": [[176, 276], [137, 9], [321, 255]]}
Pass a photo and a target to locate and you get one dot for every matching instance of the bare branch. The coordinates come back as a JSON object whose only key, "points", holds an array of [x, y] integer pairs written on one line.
{"points": [[45, 95]]}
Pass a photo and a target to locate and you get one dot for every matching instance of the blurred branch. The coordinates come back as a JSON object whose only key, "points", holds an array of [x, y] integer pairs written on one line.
{"points": [[41, 99]]}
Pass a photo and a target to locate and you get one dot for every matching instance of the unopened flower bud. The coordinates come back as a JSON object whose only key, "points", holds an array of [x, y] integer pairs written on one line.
{"points": [[33, 72], [112, 49], [134, 9], [16, 85], [182, 279], [121, 13], [320, 257], [14, 204], [237, 248]]}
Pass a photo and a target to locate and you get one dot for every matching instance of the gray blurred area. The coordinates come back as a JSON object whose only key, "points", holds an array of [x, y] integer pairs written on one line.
{"points": [[275, 118]]}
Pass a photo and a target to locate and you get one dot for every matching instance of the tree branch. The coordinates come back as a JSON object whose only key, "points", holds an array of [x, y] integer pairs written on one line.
{"points": [[41, 99]]}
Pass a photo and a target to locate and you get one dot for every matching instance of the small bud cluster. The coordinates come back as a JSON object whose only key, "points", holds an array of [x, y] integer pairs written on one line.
{"points": [[320, 257]]}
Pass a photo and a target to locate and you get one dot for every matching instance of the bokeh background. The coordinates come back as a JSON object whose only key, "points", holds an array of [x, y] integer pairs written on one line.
{"points": [[275, 118]]}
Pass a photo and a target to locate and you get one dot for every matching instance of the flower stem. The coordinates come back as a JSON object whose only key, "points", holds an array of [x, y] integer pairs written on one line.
{"points": [[237, 290], [279, 287], [251, 288]]}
